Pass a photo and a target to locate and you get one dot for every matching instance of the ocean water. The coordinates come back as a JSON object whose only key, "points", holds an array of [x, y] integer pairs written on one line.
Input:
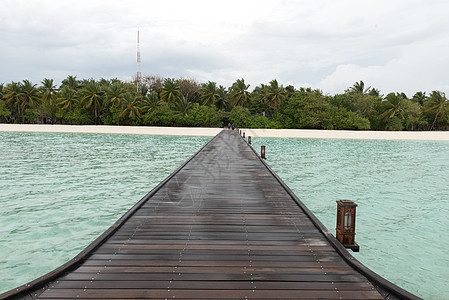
{"points": [[58, 192], [402, 192]]}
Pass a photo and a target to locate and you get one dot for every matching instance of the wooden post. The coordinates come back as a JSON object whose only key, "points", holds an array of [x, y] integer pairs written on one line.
{"points": [[243, 134], [249, 139], [240, 132], [346, 224], [262, 152]]}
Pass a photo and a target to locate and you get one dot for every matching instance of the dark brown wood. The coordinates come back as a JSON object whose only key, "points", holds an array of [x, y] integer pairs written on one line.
{"points": [[222, 226], [205, 294], [345, 229]]}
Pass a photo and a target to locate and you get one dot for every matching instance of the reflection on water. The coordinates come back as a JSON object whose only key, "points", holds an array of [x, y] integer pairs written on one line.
{"points": [[58, 192]]}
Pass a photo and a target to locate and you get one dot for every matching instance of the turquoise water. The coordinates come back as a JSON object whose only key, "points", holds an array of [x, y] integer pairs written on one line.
{"points": [[402, 192], [89, 181], [59, 192]]}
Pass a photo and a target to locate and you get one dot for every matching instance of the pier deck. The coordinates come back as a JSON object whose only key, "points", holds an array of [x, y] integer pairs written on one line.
{"points": [[221, 226]]}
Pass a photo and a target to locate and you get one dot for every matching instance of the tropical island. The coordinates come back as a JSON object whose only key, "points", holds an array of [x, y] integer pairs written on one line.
{"points": [[183, 102]]}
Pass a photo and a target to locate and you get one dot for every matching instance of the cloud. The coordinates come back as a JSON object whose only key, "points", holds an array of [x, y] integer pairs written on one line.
{"points": [[393, 45], [419, 67]]}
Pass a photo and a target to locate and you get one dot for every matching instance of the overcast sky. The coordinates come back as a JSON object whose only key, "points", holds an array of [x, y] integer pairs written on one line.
{"points": [[392, 45]]}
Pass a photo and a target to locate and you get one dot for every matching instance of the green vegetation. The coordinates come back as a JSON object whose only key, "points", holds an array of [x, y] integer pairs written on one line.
{"points": [[161, 101]]}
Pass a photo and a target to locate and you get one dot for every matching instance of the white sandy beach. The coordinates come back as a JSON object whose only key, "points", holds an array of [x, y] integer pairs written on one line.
{"points": [[199, 131]]}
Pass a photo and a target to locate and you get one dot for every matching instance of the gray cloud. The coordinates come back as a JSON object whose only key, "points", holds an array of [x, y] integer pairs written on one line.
{"points": [[396, 45]]}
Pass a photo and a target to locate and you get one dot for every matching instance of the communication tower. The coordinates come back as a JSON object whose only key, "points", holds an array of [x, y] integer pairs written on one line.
{"points": [[139, 75]]}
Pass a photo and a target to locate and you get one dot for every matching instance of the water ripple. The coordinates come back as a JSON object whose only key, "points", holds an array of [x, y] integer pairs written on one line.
{"points": [[402, 194], [59, 192]]}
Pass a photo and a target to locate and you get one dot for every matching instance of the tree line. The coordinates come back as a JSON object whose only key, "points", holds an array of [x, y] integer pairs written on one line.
{"points": [[158, 101]]}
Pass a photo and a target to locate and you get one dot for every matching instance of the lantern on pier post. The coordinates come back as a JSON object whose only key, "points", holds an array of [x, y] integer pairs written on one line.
{"points": [[346, 224], [243, 134], [240, 132], [262, 152], [249, 139]]}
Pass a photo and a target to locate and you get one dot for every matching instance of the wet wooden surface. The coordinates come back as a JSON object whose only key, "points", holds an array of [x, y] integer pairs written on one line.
{"points": [[221, 228]]}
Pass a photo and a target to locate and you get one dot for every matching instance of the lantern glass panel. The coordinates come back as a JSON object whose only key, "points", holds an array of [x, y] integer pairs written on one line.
{"points": [[348, 221]]}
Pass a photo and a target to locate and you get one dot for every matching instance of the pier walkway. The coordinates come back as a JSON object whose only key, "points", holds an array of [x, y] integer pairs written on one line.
{"points": [[222, 226]]}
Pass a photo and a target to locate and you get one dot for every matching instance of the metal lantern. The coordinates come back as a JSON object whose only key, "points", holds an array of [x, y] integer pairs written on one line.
{"points": [[346, 224], [262, 152]]}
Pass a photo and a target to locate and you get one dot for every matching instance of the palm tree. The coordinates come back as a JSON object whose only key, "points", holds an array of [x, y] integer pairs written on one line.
{"points": [[4, 112], [131, 108], [143, 91], [260, 91], [182, 105], [393, 106], [438, 104], [290, 90], [67, 99], [150, 102], [115, 94], [92, 96], [359, 88], [48, 95], [12, 97], [419, 97], [71, 82], [29, 94], [104, 82], [222, 101], [209, 93], [274, 94], [170, 91], [374, 92], [239, 94]]}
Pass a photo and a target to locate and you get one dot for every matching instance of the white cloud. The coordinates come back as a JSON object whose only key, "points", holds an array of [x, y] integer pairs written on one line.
{"points": [[420, 67]]}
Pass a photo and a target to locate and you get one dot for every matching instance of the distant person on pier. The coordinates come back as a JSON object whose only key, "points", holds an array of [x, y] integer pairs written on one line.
{"points": [[233, 126]]}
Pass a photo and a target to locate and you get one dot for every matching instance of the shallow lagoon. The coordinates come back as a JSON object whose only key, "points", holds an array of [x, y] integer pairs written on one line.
{"points": [[402, 192], [59, 192], [90, 180]]}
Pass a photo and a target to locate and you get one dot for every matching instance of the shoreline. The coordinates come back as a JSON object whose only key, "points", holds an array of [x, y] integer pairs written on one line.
{"points": [[203, 131]]}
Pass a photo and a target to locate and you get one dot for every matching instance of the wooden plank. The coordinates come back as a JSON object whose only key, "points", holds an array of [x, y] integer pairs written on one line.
{"points": [[212, 285], [204, 263], [205, 276], [245, 257], [285, 253], [207, 294], [222, 269], [250, 247]]}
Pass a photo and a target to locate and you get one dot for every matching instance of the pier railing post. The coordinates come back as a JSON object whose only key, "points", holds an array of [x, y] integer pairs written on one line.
{"points": [[243, 134], [346, 224], [262, 152], [249, 139]]}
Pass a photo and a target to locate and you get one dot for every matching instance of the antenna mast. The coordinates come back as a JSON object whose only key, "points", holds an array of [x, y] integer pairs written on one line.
{"points": [[139, 75]]}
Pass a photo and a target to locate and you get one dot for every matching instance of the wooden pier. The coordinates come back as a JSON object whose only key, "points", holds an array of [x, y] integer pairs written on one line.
{"points": [[222, 226]]}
